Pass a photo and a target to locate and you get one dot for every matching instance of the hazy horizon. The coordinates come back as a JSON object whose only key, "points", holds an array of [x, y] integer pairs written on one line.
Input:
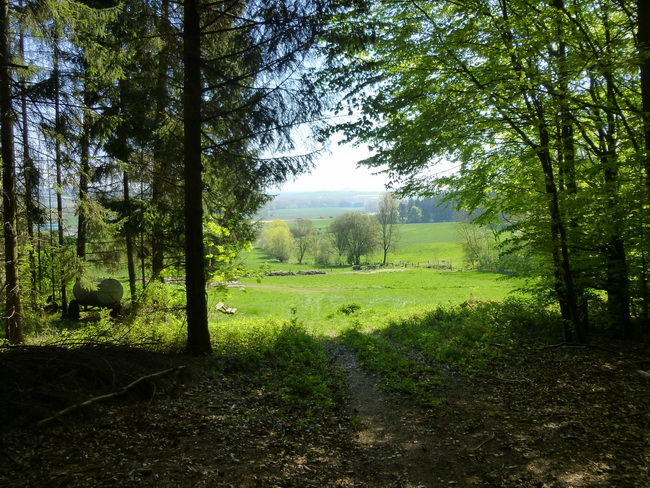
{"points": [[337, 171]]}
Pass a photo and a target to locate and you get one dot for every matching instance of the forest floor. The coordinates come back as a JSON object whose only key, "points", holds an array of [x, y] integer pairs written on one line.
{"points": [[544, 417]]}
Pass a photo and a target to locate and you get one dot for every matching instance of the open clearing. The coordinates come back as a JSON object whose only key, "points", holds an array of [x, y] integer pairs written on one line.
{"points": [[317, 299]]}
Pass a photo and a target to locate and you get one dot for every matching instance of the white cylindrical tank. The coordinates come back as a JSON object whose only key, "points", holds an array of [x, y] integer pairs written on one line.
{"points": [[107, 294]]}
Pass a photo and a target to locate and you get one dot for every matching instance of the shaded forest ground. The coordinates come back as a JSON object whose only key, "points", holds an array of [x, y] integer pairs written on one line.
{"points": [[538, 417]]}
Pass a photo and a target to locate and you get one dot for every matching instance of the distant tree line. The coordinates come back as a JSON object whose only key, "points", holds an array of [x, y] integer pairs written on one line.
{"points": [[426, 210]]}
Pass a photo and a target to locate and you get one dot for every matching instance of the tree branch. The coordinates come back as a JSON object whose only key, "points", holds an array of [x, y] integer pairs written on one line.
{"points": [[109, 395]]}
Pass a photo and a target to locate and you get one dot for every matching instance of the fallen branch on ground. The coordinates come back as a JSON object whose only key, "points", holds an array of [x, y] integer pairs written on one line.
{"points": [[120, 392], [484, 442], [576, 345]]}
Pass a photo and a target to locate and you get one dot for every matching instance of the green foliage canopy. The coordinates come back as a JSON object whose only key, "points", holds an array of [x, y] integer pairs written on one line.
{"points": [[539, 107]]}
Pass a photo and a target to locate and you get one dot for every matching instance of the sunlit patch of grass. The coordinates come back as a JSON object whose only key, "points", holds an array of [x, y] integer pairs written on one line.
{"points": [[319, 298]]}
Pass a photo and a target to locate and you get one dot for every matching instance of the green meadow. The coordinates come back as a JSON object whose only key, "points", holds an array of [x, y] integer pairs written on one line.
{"points": [[418, 244], [330, 302], [333, 301]]}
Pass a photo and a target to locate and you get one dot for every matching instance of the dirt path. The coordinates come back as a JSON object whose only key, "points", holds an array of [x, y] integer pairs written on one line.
{"points": [[395, 447], [563, 420]]}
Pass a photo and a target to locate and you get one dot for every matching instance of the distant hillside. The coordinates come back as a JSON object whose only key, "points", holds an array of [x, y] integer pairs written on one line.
{"points": [[344, 198], [327, 203]]}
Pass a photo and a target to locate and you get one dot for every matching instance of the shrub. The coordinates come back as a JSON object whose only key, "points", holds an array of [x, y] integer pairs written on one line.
{"points": [[349, 308]]}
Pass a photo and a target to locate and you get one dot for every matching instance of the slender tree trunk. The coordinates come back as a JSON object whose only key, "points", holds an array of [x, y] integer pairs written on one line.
{"points": [[564, 285], [59, 179], [13, 326], [84, 181], [198, 334], [643, 19], [30, 176], [617, 283], [567, 152], [644, 46], [159, 156], [129, 239]]}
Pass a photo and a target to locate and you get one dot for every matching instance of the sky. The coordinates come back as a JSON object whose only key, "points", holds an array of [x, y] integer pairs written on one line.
{"points": [[336, 170]]}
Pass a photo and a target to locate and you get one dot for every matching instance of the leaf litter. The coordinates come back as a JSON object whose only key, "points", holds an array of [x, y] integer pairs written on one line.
{"points": [[541, 417]]}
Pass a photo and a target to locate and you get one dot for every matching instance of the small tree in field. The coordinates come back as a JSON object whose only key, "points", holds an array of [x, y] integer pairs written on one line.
{"points": [[302, 233], [479, 245], [322, 249], [414, 216], [278, 241], [388, 218], [356, 234]]}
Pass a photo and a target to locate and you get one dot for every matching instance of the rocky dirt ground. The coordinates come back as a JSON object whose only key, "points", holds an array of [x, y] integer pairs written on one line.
{"points": [[546, 417]]}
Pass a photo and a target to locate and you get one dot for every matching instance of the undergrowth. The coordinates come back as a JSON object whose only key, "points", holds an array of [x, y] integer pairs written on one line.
{"points": [[286, 360], [156, 323], [414, 353]]}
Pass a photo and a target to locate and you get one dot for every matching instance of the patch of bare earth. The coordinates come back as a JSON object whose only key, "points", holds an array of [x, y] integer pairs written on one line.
{"points": [[554, 417]]}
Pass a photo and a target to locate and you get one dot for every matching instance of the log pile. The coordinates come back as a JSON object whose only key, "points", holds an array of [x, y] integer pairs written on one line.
{"points": [[299, 273]]}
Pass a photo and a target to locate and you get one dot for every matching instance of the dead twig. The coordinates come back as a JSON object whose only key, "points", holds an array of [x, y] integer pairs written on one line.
{"points": [[484, 442], [577, 345], [120, 392]]}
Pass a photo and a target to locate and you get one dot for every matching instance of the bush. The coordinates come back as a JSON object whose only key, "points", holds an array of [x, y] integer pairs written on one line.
{"points": [[349, 308]]}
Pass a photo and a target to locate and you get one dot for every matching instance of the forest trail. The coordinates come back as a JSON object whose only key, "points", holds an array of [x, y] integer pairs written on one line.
{"points": [[394, 445]]}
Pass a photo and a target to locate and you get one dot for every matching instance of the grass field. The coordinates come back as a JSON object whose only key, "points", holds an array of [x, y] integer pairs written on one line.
{"points": [[331, 302], [376, 295]]}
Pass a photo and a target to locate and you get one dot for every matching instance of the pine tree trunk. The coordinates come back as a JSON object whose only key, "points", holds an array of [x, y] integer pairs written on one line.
{"points": [[84, 181], [643, 19], [13, 326], [159, 153], [59, 179], [30, 175], [129, 239], [198, 335]]}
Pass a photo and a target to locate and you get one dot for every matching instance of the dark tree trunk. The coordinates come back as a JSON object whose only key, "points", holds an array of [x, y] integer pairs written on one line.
{"points": [[129, 239], [643, 19], [564, 285], [30, 175], [567, 156], [84, 181], [59, 179], [617, 281], [159, 153], [13, 326], [198, 334], [644, 44]]}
